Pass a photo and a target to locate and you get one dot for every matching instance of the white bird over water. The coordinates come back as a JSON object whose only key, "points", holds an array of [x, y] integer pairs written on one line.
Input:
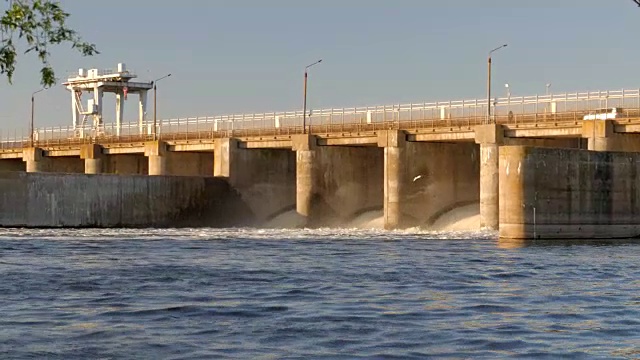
{"points": [[416, 178]]}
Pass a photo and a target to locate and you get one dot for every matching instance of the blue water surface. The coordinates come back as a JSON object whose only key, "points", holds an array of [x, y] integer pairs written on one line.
{"points": [[314, 294]]}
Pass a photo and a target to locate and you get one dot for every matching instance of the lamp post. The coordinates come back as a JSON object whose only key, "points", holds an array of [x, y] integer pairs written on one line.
{"points": [[548, 86], [155, 104], [489, 82], [304, 106], [31, 127]]}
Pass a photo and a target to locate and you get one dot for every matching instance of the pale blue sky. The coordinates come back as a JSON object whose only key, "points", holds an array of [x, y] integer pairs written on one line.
{"points": [[242, 56]]}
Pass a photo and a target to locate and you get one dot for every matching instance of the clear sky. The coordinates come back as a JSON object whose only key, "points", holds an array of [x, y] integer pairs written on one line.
{"points": [[243, 56]]}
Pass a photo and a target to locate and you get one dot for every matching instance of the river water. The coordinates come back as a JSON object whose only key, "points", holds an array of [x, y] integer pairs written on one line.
{"points": [[313, 294]]}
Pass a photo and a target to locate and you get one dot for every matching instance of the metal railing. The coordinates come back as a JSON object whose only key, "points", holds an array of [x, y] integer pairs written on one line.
{"points": [[505, 110]]}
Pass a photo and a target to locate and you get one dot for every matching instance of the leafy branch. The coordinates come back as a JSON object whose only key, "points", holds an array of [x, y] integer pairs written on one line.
{"points": [[40, 24]]}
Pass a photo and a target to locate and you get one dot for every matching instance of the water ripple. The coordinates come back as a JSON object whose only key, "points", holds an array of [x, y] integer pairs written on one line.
{"points": [[313, 294]]}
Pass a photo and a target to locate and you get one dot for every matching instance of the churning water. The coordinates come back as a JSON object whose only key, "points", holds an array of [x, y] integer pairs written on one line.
{"points": [[313, 294], [463, 218]]}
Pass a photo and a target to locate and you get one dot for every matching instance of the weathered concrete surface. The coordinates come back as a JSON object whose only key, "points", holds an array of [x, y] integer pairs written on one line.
{"points": [[489, 137], [602, 137], [436, 178], [190, 164], [126, 164], [157, 154], [12, 165], [264, 178], [348, 181], [69, 200], [69, 165], [568, 194], [334, 184], [93, 158], [394, 143], [37, 161]]}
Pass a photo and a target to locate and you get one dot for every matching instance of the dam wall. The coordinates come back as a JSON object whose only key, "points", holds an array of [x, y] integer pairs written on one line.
{"points": [[264, 178], [568, 194], [437, 178], [347, 181], [78, 200]]}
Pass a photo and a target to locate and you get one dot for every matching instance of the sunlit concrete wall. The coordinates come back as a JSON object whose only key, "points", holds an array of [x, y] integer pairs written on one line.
{"points": [[265, 179], [347, 181], [70, 200], [568, 194], [437, 178], [190, 164]]}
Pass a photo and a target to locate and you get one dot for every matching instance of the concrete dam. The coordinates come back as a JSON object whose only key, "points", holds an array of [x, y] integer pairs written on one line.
{"points": [[560, 171], [322, 185], [525, 188]]}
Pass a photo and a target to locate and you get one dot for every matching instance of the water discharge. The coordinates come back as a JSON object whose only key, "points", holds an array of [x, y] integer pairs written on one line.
{"points": [[464, 218]]}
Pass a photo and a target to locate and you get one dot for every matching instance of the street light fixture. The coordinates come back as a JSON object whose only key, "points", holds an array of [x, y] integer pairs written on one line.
{"points": [[489, 82], [304, 107], [31, 127], [155, 118]]}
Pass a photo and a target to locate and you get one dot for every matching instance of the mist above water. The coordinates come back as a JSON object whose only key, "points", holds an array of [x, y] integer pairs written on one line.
{"points": [[464, 218]]}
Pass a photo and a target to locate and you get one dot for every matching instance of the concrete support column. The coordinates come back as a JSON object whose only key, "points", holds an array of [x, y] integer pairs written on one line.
{"points": [[35, 159], [305, 147], [156, 152], [489, 186], [394, 143], [142, 111], [598, 133], [92, 155], [119, 112], [74, 109], [490, 137], [224, 156]]}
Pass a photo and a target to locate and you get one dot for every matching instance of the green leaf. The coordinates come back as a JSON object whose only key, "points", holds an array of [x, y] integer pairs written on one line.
{"points": [[38, 24]]}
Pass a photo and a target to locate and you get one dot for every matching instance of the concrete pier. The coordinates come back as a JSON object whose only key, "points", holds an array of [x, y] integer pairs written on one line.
{"points": [[35, 160], [156, 152], [489, 137], [393, 142], [92, 155], [305, 147]]}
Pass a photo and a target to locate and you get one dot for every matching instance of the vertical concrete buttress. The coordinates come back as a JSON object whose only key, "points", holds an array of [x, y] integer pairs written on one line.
{"points": [[394, 142], [224, 153], [92, 155], [156, 152], [305, 147], [35, 159], [489, 137]]}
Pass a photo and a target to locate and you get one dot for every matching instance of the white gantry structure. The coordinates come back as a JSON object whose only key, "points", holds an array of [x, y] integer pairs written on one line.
{"points": [[96, 82]]}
